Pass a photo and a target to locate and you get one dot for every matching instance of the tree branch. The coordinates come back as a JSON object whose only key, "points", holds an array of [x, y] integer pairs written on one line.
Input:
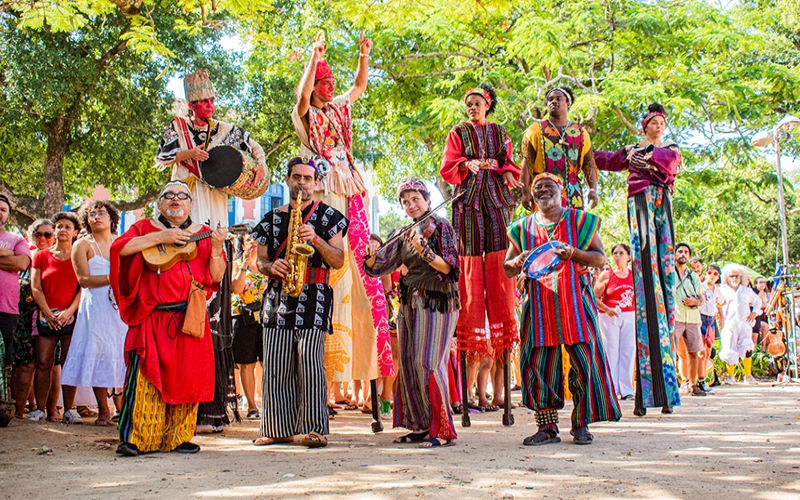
{"points": [[401, 76], [148, 197], [630, 126]]}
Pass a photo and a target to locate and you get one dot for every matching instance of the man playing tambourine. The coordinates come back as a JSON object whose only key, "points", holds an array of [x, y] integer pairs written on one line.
{"points": [[185, 143]]}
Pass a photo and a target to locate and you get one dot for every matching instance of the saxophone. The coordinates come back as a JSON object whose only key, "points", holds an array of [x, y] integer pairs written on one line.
{"points": [[297, 252]]}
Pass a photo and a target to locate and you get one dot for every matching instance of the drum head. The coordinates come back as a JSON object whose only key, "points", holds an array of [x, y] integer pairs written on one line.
{"points": [[543, 260], [223, 166]]}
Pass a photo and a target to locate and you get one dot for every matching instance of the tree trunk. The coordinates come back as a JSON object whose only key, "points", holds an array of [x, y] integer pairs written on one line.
{"points": [[57, 148]]}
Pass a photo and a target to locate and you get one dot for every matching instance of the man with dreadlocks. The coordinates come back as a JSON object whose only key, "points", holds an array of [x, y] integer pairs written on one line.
{"points": [[168, 346], [560, 147]]}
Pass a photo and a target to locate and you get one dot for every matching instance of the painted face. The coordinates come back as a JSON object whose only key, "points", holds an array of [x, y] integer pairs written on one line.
{"points": [[476, 107], [557, 103], [621, 257], [65, 230], [302, 179], [414, 204], [203, 109], [325, 89], [655, 127], [682, 255], [44, 237], [175, 202], [546, 193]]}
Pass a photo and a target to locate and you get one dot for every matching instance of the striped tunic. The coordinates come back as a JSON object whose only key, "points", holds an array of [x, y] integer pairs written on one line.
{"points": [[426, 322], [560, 308]]}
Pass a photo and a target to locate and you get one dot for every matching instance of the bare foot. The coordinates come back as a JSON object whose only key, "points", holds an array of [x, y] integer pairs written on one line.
{"points": [[266, 441]]}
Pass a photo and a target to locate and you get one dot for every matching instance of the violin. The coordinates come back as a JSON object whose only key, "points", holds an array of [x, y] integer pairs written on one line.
{"points": [[426, 228], [426, 223]]}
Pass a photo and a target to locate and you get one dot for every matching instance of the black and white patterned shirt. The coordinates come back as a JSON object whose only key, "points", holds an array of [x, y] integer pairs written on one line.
{"points": [[314, 307]]}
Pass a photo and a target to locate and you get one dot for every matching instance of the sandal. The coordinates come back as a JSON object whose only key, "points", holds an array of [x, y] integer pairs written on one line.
{"points": [[266, 441], [413, 437], [581, 435], [314, 440], [490, 407], [351, 406], [458, 409], [103, 422], [434, 442], [542, 437]]}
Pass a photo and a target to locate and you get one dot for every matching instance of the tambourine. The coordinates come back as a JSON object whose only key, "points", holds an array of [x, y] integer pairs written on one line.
{"points": [[543, 260], [233, 172]]}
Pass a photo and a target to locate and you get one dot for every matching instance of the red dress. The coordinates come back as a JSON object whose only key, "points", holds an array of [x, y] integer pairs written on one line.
{"points": [[181, 367]]}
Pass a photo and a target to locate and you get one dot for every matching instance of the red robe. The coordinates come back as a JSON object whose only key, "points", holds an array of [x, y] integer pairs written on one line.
{"points": [[181, 367]]}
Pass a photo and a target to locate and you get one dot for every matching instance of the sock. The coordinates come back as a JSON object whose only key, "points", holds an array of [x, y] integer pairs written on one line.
{"points": [[748, 366], [701, 381], [731, 368]]}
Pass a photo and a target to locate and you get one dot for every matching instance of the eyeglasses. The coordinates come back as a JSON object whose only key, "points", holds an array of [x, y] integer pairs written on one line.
{"points": [[99, 213], [169, 195], [734, 276], [37, 234]]}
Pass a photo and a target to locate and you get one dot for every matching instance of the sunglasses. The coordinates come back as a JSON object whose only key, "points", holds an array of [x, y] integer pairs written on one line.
{"points": [[713, 273], [169, 195], [735, 276], [37, 234]]}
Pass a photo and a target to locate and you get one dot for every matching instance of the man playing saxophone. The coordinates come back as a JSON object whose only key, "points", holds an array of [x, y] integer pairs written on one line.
{"points": [[294, 385]]}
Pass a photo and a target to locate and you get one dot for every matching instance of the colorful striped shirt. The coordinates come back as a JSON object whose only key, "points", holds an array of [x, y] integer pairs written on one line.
{"points": [[560, 307]]}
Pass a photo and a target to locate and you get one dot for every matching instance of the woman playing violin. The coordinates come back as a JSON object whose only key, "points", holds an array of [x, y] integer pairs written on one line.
{"points": [[426, 321]]}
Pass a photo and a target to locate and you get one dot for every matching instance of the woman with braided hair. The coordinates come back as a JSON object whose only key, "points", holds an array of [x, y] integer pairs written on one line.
{"points": [[477, 160]]}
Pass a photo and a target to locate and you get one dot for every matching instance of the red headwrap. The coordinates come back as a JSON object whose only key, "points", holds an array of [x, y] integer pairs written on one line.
{"points": [[323, 71], [650, 116], [547, 175], [481, 92]]}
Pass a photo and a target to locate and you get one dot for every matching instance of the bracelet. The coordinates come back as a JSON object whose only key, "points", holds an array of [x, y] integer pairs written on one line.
{"points": [[108, 278], [216, 256], [428, 256], [315, 242], [363, 55]]}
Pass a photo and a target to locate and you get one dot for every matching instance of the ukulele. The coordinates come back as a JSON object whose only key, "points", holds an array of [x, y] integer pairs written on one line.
{"points": [[165, 255]]}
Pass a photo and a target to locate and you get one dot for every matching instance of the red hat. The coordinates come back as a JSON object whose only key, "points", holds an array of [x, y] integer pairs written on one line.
{"points": [[323, 71]]}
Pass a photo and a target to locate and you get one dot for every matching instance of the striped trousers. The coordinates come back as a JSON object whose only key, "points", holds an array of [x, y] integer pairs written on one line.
{"points": [[589, 382], [149, 423], [294, 388]]}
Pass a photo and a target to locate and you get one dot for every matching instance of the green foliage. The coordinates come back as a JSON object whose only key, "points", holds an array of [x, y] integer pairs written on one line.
{"points": [[719, 71], [390, 222], [760, 364]]}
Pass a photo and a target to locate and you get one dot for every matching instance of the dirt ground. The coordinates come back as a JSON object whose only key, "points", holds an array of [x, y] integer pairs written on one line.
{"points": [[743, 442]]}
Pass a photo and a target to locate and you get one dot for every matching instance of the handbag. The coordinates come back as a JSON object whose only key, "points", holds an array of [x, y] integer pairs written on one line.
{"points": [[194, 322], [251, 313]]}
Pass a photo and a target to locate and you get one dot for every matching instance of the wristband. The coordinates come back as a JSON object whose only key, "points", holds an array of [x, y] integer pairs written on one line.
{"points": [[315, 241]]}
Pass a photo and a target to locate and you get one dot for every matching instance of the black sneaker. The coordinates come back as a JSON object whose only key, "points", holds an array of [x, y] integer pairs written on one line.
{"points": [[127, 450], [187, 447], [706, 388], [697, 391]]}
